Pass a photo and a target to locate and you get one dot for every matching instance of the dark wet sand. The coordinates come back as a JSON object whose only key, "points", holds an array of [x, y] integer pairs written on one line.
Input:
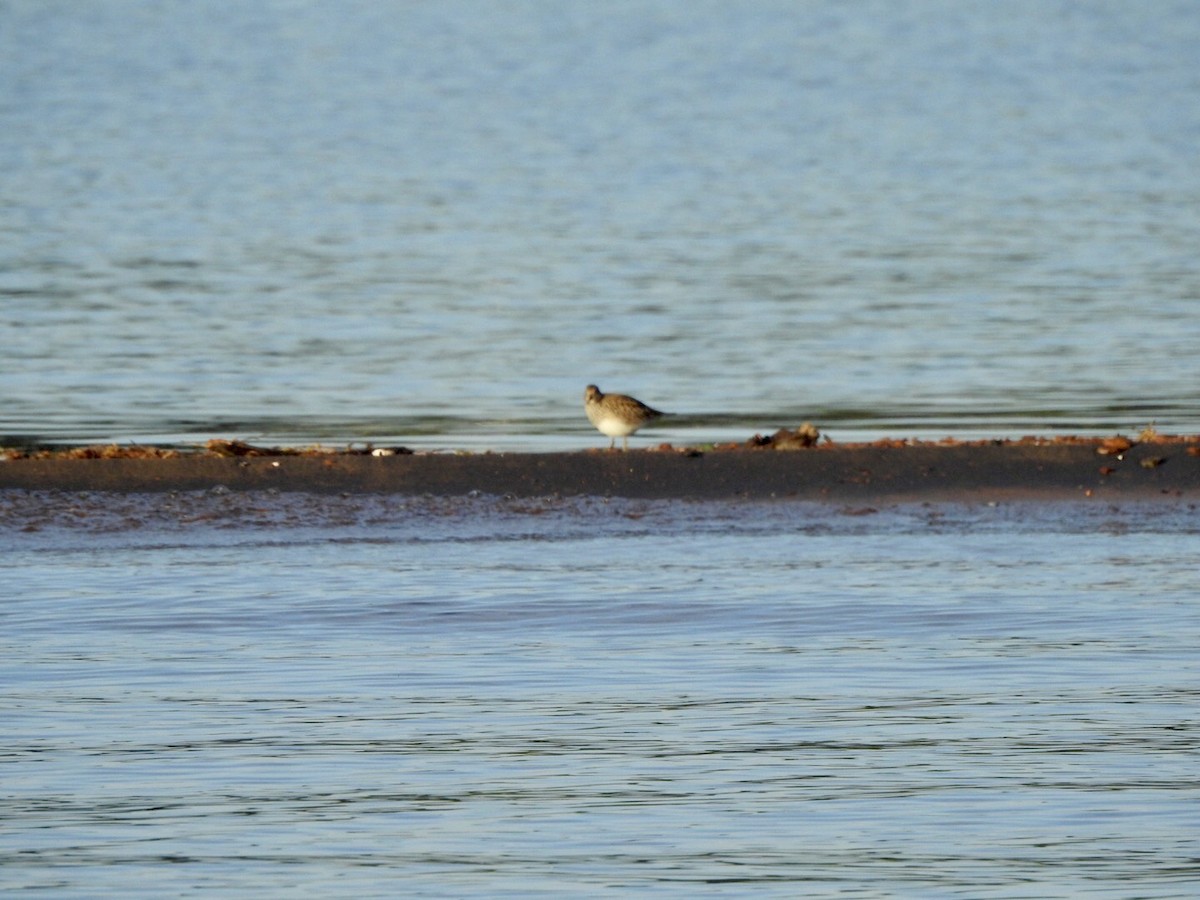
{"points": [[1071, 469]]}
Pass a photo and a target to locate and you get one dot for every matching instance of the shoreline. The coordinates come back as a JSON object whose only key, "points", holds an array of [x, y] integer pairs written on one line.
{"points": [[1031, 468]]}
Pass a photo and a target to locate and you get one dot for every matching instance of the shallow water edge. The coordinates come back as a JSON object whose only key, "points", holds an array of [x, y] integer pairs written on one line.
{"points": [[56, 520]]}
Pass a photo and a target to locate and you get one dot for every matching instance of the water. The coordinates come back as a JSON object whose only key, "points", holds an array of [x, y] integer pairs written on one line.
{"points": [[433, 224], [234, 693]]}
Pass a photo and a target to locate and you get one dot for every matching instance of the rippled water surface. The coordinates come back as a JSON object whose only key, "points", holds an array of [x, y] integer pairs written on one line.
{"points": [[239, 693], [435, 223]]}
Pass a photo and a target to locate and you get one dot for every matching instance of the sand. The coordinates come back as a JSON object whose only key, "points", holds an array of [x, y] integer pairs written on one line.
{"points": [[1059, 468]]}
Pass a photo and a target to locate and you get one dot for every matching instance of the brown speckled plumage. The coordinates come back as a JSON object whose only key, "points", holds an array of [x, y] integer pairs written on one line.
{"points": [[616, 415]]}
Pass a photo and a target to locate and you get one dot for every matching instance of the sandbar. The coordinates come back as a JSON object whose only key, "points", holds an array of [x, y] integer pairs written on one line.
{"points": [[881, 471]]}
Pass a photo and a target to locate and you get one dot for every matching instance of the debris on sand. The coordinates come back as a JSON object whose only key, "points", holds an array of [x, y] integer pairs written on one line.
{"points": [[807, 435], [221, 447], [1114, 446], [94, 451]]}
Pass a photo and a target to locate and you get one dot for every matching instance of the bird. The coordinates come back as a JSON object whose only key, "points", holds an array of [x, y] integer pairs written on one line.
{"points": [[616, 415]]}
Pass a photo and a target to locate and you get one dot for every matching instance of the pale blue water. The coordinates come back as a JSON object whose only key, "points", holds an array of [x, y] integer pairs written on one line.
{"points": [[223, 695], [435, 223]]}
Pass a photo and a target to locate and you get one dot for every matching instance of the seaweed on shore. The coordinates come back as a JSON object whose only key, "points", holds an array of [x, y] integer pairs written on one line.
{"points": [[806, 437]]}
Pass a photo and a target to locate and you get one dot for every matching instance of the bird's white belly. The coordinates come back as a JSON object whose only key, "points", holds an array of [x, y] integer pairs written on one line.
{"points": [[611, 426]]}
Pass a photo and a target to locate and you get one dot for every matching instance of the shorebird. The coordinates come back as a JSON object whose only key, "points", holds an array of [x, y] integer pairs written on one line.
{"points": [[616, 415]]}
